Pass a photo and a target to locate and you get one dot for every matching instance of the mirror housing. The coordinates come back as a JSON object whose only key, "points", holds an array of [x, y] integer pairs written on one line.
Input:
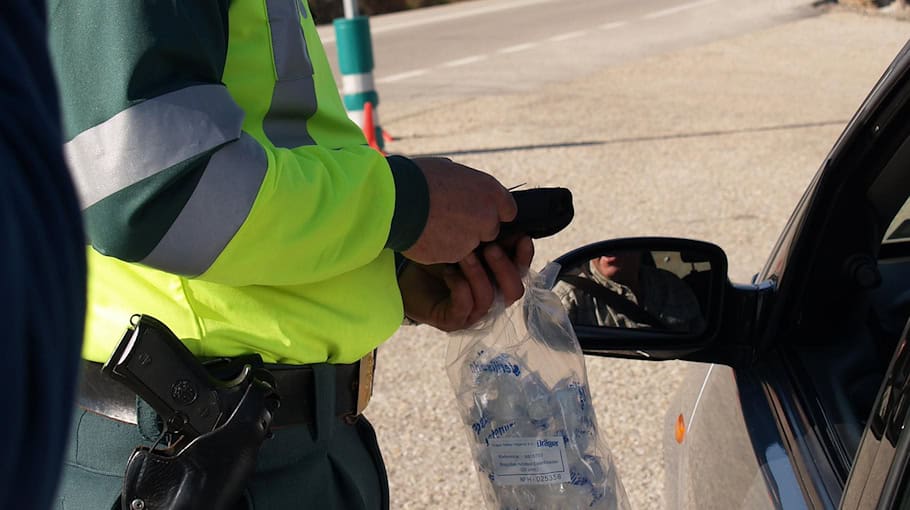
{"points": [[677, 296]]}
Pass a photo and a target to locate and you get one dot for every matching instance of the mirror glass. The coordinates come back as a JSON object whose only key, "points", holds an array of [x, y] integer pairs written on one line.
{"points": [[666, 291]]}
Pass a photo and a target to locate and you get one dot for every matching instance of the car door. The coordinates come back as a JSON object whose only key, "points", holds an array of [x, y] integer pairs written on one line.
{"points": [[838, 306], [806, 360]]}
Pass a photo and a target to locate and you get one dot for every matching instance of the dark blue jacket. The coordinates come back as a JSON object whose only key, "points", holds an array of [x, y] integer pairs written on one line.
{"points": [[42, 266]]}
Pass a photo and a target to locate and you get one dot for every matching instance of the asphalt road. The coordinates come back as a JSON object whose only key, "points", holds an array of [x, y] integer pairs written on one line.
{"points": [[705, 122], [485, 47]]}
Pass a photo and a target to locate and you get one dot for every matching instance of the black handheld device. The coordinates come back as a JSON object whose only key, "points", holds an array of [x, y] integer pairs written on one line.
{"points": [[542, 212]]}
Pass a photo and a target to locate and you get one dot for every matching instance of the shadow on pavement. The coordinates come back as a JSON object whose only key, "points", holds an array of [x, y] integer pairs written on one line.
{"points": [[635, 139]]}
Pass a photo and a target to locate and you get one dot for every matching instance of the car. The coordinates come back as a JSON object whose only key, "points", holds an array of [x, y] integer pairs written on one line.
{"points": [[801, 398]]}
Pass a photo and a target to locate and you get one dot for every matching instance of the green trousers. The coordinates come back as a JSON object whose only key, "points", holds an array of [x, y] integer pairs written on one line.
{"points": [[329, 465]]}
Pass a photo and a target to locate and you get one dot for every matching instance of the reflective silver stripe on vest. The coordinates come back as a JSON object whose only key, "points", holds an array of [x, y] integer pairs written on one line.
{"points": [[294, 98], [215, 211], [150, 137]]}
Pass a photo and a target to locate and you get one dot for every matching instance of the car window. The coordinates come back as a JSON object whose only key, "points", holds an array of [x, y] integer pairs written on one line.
{"points": [[899, 229], [880, 460], [889, 196], [860, 301]]}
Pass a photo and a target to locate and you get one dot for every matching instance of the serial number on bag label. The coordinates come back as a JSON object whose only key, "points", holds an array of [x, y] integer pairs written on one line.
{"points": [[528, 461]]}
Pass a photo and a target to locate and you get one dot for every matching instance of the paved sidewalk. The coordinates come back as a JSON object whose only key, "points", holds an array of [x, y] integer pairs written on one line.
{"points": [[715, 143]]}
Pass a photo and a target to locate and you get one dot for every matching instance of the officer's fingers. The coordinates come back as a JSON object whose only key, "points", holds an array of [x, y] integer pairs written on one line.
{"points": [[482, 289], [458, 307], [524, 254], [505, 272], [505, 204]]}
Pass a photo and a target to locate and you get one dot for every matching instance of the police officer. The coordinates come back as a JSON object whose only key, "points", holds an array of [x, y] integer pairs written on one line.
{"points": [[226, 193]]}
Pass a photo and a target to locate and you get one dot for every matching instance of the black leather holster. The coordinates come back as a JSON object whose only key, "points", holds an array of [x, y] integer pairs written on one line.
{"points": [[214, 416], [209, 472]]}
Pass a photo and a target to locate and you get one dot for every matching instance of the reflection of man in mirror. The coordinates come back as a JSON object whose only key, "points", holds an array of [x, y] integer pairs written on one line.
{"points": [[641, 295]]}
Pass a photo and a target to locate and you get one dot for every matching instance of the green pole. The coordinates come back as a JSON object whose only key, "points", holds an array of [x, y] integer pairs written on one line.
{"points": [[355, 60]]}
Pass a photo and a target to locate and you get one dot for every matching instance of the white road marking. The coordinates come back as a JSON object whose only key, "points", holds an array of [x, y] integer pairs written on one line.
{"points": [[510, 49], [698, 399], [517, 48], [402, 76], [445, 15], [566, 37], [678, 8], [614, 25], [465, 61]]}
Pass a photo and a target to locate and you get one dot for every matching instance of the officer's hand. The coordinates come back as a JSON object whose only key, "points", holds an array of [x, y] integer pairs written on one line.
{"points": [[452, 297], [466, 208]]}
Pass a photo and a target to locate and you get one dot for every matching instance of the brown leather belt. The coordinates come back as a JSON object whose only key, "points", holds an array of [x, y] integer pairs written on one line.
{"points": [[353, 389]]}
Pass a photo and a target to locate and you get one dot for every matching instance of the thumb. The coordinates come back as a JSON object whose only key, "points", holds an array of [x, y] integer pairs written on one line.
{"points": [[506, 205]]}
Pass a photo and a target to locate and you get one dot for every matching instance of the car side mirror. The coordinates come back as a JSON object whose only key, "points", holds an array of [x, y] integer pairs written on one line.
{"points": [[646, 298]]}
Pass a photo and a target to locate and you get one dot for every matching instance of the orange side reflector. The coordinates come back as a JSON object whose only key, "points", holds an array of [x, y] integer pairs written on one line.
{"points": [[680, 429]]}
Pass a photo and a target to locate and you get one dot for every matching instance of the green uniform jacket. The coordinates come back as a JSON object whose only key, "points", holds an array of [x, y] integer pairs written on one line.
{"points": [[224, 189]]}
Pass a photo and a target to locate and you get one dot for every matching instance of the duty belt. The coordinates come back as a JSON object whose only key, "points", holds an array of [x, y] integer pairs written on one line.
{"points": [[295, 383]]}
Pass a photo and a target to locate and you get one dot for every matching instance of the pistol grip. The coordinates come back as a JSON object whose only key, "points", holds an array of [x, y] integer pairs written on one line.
{"points": [[156, 365]]}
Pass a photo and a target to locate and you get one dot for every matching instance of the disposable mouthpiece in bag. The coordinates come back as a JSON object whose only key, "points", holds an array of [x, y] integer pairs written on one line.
{"points": [[521, 388]]}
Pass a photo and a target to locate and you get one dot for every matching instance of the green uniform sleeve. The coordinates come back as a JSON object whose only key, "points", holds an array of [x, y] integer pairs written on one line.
{"points": [[170, 176]]}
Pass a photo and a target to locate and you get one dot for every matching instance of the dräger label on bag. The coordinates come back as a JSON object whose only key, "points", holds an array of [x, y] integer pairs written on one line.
{"points": [[528, 461]]}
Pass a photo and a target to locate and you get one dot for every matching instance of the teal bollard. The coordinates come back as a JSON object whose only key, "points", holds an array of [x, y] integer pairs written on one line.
{"points": [[355, 60]]}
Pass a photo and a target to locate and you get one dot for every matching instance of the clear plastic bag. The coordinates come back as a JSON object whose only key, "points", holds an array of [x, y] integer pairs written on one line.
{"points": [[522, 391]]}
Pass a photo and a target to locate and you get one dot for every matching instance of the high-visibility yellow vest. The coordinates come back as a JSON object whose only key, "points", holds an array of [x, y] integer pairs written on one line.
{"points": [[225, 191]]}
